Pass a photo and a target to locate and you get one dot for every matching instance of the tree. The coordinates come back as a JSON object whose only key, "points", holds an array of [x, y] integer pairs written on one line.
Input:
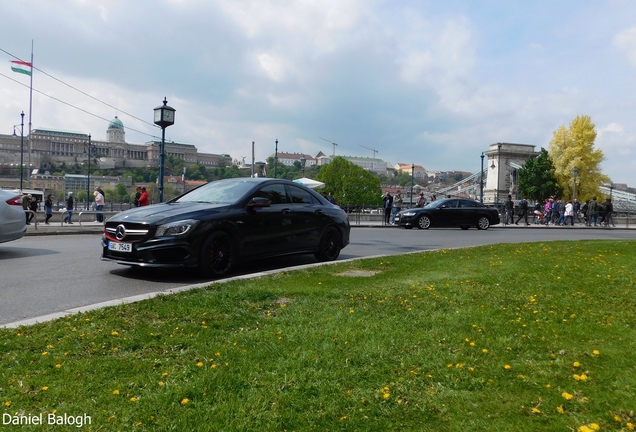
{"points": [[536, 178], [350, 184], [574, 147]]}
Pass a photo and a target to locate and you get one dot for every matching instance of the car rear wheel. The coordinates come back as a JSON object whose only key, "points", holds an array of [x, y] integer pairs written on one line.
{"points": [[483, 223], [218, 255], [423, 222], [330, 245]]}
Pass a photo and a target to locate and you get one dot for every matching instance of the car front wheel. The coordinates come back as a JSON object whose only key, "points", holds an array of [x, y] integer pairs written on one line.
{"points": [[483, 223], [423, 222], [330, 245], [218, 255]]}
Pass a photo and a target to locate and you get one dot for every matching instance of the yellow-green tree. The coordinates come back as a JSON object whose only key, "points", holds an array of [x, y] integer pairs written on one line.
{"points": [[574, 147]]}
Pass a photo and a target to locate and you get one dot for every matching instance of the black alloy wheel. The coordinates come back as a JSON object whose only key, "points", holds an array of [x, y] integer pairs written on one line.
{"points": [[330, 245], [218, 255]]}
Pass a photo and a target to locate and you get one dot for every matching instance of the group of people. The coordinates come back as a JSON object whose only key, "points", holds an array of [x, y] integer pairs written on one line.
{"points": [[141, 197], [560, 212]]}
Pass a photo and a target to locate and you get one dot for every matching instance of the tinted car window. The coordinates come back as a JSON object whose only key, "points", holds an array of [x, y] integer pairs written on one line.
{"points": [[275, 193], [469, 203], [217, 192], [300, 196], [452, 203]]}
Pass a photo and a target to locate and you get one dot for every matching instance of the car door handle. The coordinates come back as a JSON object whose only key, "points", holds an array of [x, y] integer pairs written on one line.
{"points": [[286, 210], [319, 211]]}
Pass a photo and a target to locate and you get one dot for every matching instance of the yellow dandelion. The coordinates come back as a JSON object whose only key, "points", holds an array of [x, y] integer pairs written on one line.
{"points": [[560, 409], [200, 364], [45, 388], [576, 364], [386, 395], [213, 366], [548, 386], [7, 404], [595, 426], [485, 351], [57, 366], [567, 396], [536, 410], [596, 352], [115, 392], [161, 383], [185, 401], [472, 344], [114, 333], [618, 419], [133, 399], [165, 374], [584, 428], [343, 418], [507, 367], [630, 426], [45, 353]]}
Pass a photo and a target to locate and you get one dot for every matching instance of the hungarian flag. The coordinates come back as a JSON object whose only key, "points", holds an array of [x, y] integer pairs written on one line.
{"points": [[21, 67]]}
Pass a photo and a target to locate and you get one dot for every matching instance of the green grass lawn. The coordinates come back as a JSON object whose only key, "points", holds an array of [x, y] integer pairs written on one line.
{"points": [[522, 337]]}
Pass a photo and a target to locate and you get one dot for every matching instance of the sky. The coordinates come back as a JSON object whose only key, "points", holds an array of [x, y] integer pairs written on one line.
{"points": [[432, 83]]}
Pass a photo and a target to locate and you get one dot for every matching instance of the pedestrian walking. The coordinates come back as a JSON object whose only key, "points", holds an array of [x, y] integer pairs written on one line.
{"points": [[397, 206], [569, 213], [48, 208], [100, 200], [388, 206], [70, 205], [137, 196], [592, 212], [143, 198], [26, 200], [421, 201], [33, 206], [577, 210], [523, 211], [510, 210], [609, 210]]}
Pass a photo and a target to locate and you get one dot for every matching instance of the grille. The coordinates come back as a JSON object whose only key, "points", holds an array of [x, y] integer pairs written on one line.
{"points": [[126, 232]]}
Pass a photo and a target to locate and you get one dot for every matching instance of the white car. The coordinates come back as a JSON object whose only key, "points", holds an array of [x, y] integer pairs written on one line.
{"points": [[12, 216]]}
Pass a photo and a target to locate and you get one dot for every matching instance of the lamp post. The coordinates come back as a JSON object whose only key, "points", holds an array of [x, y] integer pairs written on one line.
{"points": [[164, 117], [481, 180], [276, 158], [303, 161], [412, 176], [21, 147], [611, 189], [498, 173], [88, 176]]}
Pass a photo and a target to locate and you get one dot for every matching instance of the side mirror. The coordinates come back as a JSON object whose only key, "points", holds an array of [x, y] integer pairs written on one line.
{"points": [[258, 202]]}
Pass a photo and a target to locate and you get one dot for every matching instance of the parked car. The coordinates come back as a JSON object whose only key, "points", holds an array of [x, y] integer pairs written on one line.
{"points": [[215, 225], [449, 212], [12, 217]]}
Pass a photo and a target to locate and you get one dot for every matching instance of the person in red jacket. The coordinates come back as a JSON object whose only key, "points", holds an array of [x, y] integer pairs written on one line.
{"points": [[143, 199]]}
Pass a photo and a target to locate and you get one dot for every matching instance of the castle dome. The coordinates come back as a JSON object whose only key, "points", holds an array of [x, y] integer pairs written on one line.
{"points": [[116, 124]]}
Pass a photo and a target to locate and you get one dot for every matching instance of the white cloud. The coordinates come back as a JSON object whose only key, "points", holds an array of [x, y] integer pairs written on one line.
{"points": [[625, 41]]}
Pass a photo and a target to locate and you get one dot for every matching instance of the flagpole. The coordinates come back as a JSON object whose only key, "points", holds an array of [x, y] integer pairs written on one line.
{"points": [[30, 114]]}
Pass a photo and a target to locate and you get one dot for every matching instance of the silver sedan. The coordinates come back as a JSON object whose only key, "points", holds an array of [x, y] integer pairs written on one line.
{"points": [[12, 217]]}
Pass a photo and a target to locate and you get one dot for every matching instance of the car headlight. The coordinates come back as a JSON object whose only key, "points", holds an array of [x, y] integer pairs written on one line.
{"points": [[408, 213], [176, 228]]}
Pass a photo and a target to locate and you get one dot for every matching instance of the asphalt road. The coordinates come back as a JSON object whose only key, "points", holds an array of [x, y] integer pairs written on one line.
{"points": [[42, 275]]}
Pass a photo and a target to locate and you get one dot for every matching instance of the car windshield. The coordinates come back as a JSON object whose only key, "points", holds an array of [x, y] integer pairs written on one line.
{"points": [[218, 192], [433, 204]]}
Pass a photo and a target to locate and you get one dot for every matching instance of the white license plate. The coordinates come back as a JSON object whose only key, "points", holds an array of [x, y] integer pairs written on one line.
{"points": [[120, 247]]}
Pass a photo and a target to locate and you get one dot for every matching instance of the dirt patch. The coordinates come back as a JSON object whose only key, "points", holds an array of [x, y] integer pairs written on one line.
{"points": [[283, 300], [359, 273]]}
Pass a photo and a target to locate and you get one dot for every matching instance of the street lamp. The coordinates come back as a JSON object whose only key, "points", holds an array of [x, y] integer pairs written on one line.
{"points": [[21, 147], [575, 174], [303, 161], [611, 188], [88, 177], [498, 173], [481, 180], [412, 175], [276, 158], [164, 117]]}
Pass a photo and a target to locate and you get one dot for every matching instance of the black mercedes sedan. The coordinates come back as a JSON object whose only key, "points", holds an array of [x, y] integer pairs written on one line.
{"points": [[449, 212], [215, 225]]}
